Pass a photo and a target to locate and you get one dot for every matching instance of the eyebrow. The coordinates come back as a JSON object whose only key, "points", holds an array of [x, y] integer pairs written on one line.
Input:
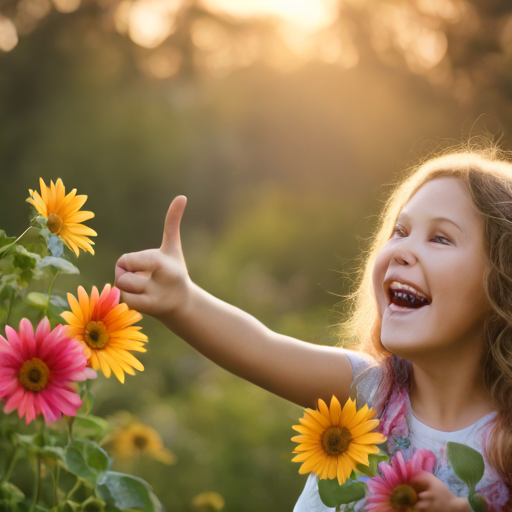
{"points": [[432, 219]]}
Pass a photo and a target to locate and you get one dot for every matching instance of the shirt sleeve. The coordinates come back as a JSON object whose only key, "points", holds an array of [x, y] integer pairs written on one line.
{"points": [[367, 376]]}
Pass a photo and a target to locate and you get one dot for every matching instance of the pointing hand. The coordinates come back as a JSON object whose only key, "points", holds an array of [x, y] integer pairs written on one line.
{"points": [[155, 281]]}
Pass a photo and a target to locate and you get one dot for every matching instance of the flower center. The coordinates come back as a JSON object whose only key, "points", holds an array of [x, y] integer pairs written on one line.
{"points": [[140, 442], [96, 335], [336, 440], [34, 374], [54, 223], [403, 498]]}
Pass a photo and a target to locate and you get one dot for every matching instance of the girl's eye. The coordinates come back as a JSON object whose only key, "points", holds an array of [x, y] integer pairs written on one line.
{"points": [[444, 238], [400, 230]]}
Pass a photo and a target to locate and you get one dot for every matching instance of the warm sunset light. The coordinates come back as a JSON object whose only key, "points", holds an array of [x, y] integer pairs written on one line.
{"points": [[306, 14], [8, 34]]}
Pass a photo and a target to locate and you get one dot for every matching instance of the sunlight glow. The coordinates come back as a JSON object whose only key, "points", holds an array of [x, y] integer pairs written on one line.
{"points": [[309, 15], [148, 22], [66, 5], [8, 34]]}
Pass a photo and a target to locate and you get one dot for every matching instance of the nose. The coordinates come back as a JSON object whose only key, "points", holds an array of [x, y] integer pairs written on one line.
{"points": [[403, 254]]}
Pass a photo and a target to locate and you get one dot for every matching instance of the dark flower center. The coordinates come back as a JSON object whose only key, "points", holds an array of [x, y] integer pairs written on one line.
{"points": [[403, 498], [336, 440], [54, 223], [140, 442], [34, 374], [96, 335]]}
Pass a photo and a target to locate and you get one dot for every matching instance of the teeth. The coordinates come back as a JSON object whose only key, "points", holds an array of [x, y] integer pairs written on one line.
{"points": [[396, 285]]}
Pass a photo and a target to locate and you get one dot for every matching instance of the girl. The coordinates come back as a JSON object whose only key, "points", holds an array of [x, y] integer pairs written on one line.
{"points": [[432, 317]]}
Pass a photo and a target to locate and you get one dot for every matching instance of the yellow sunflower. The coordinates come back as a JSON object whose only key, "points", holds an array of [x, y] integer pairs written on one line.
{"points": [[105, 329], [63, 215], [333, 441], [135, 438], [208, 501]]}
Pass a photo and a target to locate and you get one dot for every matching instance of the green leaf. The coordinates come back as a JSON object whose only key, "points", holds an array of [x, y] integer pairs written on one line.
{"points": [[333, 494], [59, 263], [55, 245], [29, 236], [467, 463], [93, 504], [371, 469], [477, 502], [11, 493], [24, 259], [55, 453], [86, 460], [90, 426], [6, 240], [36, 299], [40, 222], [127, 492]]}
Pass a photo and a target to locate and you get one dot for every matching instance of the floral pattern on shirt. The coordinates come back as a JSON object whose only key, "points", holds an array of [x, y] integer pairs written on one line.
{"points": [[393, 424]]}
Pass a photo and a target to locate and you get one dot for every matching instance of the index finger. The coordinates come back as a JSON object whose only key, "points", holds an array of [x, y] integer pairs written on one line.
{"points": [[136, 262]]}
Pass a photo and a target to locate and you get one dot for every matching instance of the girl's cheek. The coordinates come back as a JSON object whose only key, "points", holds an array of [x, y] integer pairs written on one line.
{"points": [[378, 274]]}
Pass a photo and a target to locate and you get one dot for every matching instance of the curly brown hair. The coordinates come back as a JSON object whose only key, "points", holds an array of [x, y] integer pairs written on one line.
{"points": [[486, 172]]}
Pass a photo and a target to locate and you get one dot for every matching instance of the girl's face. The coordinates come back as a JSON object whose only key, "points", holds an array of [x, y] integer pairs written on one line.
{"points": [[444, 261]]}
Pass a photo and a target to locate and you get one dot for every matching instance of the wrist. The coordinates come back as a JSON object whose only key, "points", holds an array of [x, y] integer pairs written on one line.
{"points": [[178, 302]]}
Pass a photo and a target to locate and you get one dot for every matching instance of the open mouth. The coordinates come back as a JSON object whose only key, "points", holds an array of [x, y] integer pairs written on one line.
{"points": [[407, 300]]}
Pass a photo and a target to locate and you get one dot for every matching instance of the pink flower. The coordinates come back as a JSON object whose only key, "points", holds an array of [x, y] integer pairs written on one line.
{"points": [[36, 371], [390, 491]]}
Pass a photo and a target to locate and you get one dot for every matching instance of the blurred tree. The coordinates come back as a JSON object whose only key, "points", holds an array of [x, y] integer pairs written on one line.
{"points": [[460, 46]]}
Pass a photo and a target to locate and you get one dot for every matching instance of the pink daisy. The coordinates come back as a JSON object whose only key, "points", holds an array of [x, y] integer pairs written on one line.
{"points": [[37, 369], [390, 491]]}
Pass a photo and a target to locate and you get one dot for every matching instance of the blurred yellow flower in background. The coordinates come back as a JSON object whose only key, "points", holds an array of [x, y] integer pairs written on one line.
{"points": [[104, 326], [208, 501], [334, 441], [135, 439], [63, 215]]}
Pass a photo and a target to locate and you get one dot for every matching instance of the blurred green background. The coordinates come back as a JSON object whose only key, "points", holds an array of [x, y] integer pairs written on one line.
{"points": [[284, 123]]}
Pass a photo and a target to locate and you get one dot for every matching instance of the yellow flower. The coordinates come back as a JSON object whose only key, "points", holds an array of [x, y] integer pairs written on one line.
{"points": [[208, 501], [135, 439], [105, 329], [333, 441], [63, 215]]}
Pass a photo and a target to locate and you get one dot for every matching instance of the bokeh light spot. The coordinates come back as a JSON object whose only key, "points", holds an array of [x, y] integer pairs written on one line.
{"points": [[66, 6], [8, 34]]}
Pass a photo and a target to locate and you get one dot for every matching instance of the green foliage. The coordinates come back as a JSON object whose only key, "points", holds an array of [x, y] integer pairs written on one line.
{"points": [[91, 427], [86, 460], [60, 264], [125, 492], [37, 255], [478, 503], [371, 469], [467, 463], [333, 494]]}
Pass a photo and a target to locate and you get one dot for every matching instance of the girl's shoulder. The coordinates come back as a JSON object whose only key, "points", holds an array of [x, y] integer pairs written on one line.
{"points": [[367, 376]]}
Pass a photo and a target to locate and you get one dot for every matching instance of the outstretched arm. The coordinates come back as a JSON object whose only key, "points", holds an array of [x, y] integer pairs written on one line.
{"points": [[156, 282]]}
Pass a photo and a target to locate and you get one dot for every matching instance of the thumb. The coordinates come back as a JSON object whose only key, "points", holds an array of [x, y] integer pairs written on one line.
{"points": [[422, 481], [171, 242]]}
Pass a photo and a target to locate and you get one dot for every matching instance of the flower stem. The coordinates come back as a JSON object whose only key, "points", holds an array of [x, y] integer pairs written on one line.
{"points": [[70, 420], [10, 469], [55, 475], [37, 485], [50, 292], [78, 483], [4, 250], [11, 304]]}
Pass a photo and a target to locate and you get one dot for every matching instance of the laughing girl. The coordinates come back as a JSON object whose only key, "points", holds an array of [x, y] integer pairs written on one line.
{"points": [[430, 323]]}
